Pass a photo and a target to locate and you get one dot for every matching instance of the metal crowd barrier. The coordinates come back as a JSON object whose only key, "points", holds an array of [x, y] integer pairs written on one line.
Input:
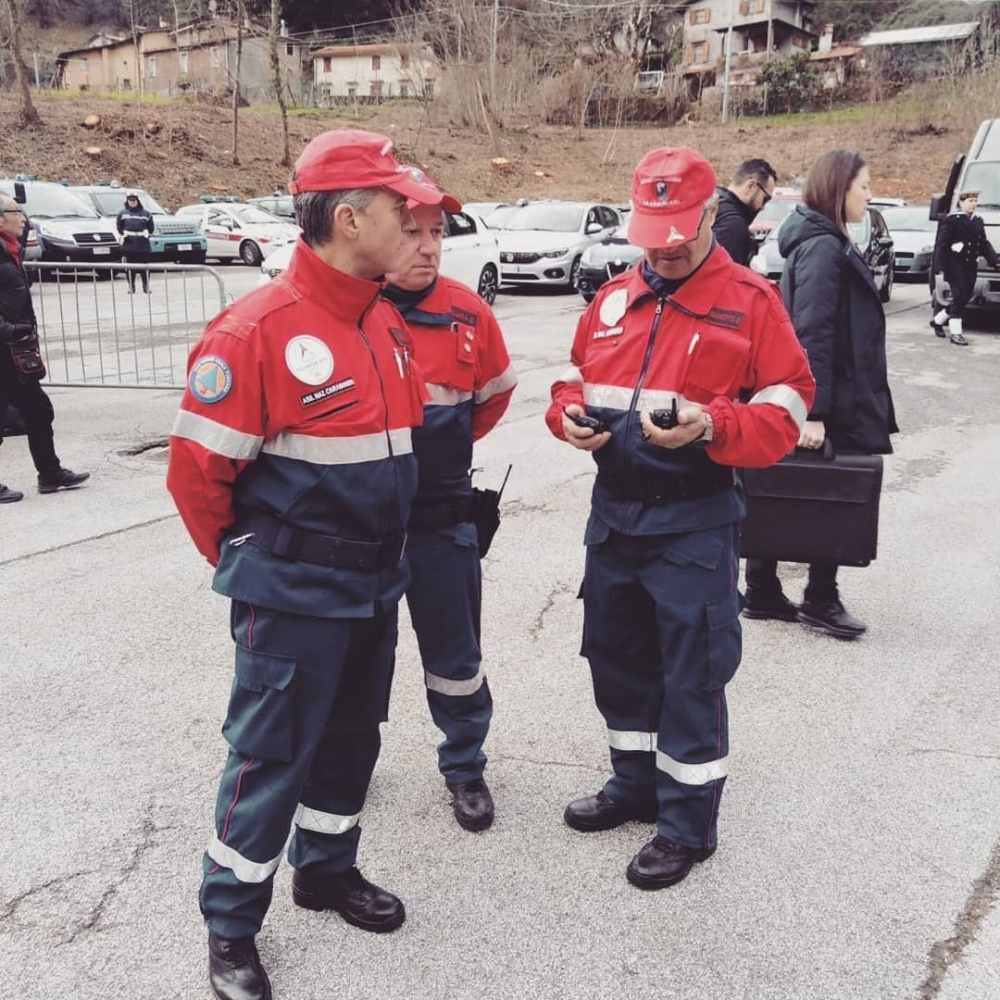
{"points": [[93, 332]]}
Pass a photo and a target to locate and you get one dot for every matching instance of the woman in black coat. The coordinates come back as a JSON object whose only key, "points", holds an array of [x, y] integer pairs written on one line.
{"points": [[135, 225], [835, 308]]}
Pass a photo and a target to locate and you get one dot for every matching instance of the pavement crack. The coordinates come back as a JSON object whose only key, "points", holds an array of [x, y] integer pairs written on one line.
{"points": [[93, 920], [945, 953], [535, 630], [573, 765], [953, 753], [10, 908]]}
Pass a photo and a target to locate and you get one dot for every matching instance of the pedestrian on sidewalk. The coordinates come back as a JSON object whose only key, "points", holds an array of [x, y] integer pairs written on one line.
{"points": [[961, 241], [19, 331], [837, 313], [464, 361], [135, 224], [292, 466]]}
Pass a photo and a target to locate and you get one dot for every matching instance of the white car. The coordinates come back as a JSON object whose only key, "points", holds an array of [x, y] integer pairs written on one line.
{"points": [[542, 243], [235, 230], [469, 254]]}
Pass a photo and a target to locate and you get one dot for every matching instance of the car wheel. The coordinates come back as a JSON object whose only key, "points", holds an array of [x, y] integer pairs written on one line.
{"points": [[886, 291], [250, 253], [574, 272], [488, 282]]}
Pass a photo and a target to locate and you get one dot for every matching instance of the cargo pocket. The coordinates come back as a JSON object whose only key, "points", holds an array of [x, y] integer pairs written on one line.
{"points": [[261, 714], [725, 641]]}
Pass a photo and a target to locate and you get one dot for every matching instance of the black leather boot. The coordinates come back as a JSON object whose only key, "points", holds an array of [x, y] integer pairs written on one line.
{"points": [[662, 863], [357, 900], [775, 606], [831, 617], [598, 812], [234, 969], [472, 804]]}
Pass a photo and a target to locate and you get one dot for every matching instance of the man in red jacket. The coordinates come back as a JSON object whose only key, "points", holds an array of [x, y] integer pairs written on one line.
{"points": [[462, 356], [660, 361], [292, 466]]}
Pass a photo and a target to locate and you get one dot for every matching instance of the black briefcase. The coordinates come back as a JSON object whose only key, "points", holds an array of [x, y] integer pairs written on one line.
{"points": [[813, 506]]}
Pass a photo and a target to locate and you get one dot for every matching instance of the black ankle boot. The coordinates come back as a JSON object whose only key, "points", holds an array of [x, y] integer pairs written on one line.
{"points": [[234, 969]]}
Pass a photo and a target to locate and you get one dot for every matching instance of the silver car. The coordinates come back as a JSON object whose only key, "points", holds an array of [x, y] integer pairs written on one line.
{"points": [[913, 231], [543, 243]]}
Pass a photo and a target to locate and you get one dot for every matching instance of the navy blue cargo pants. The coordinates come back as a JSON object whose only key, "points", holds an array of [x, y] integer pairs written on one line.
{"points": [[303, 729], [445, 599], [662, 635]]}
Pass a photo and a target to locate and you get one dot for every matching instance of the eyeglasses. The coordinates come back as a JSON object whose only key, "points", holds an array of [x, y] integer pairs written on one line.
{"points": [[767, 197], [12, 211]]}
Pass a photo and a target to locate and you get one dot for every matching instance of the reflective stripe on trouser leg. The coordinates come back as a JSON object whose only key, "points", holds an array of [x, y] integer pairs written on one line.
{"points": [[444, 600], [285, 691], [682, 592]]}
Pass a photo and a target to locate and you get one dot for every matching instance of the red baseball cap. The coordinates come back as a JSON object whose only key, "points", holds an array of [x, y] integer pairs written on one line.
{"points": [[449, 203], [345, 158], [669, 191]]}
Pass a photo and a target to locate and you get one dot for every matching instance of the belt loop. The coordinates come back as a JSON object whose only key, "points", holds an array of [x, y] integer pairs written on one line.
{"points": [[287, 541]]}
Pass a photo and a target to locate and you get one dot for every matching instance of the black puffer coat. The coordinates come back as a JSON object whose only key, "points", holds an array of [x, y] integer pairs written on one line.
{"points": [[17, 315], [835, 308]]}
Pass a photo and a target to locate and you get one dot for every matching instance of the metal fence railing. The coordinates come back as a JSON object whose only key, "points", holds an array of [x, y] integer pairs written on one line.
{"points": [[94, 332]]}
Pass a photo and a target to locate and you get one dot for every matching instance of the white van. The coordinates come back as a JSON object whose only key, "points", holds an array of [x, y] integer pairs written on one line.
{"points": [[978, 170]]}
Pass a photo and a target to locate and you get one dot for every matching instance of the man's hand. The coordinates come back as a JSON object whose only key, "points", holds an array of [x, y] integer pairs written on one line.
{"points": [[691, 424], [813, 434], [583, 438]]}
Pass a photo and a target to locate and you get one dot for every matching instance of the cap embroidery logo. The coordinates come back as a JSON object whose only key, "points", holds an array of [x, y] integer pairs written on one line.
{"points": [[660, 190], [674, 236]]}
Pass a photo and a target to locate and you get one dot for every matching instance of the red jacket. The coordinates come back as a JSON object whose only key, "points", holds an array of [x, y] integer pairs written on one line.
{"points": [[464, 360], [724, 336], [299, 405]]}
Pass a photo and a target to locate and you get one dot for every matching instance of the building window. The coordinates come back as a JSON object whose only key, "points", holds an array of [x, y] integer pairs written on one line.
{"points": [[151, 67], [404, 60], [376, 62], [404, 89], [700, 15], [352, 90], [755, 7], [699, 53], [376, 88], [183, 58], [429, 90], [289, 49], [213, 56], [81, 65], [327, 63]]}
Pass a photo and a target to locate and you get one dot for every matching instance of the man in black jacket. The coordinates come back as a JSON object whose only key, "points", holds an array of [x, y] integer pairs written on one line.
{"points": [[961, 241], [750, 190], [18, 328]]}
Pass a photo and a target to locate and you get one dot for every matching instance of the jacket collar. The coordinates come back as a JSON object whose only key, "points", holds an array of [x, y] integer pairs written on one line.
{"points": [[343, 295], [746, 212], [699, 293]]}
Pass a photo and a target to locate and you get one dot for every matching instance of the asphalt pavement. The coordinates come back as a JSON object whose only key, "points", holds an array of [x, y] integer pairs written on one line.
{"points": [[859, 856]]}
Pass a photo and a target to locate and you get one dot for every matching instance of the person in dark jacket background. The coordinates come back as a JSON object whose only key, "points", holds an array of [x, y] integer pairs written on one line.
{"points": [[18, 326], [961, 241], [750, 190], [836, 311], [136, 225]]}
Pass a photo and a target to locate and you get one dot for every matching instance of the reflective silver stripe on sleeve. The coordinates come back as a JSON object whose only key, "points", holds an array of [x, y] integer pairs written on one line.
{"points": [[339, 450], [445, 395], [243, 868], [321, 822], [572, 374], [216, 437], [623, 739], [619, 397], [503, 382], [785, 397], [692, 774], [454, 688]]}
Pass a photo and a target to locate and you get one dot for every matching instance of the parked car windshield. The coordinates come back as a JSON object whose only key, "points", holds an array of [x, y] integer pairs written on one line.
{"points": [[254, 216], [984, 178], [548, 218], [777, 209], [111, 202], [55, 203], [912, 217], [499, 215]]}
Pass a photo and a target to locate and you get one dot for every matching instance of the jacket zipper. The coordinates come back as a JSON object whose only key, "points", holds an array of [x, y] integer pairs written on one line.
{"points": [[642, 376]]}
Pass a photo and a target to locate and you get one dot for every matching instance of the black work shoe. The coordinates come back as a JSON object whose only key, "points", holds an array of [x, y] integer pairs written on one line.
{"points": [[777, 607], [234, 969], [7, 495], [832, 618], [356, 899], [472, 804], [598, 812], [939, 331], [958, 338], [661, 863], [62, 480]]}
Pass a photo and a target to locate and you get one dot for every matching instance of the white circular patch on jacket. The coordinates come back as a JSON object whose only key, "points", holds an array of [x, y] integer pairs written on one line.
{"points": [[613, 307], [309, 359]]}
